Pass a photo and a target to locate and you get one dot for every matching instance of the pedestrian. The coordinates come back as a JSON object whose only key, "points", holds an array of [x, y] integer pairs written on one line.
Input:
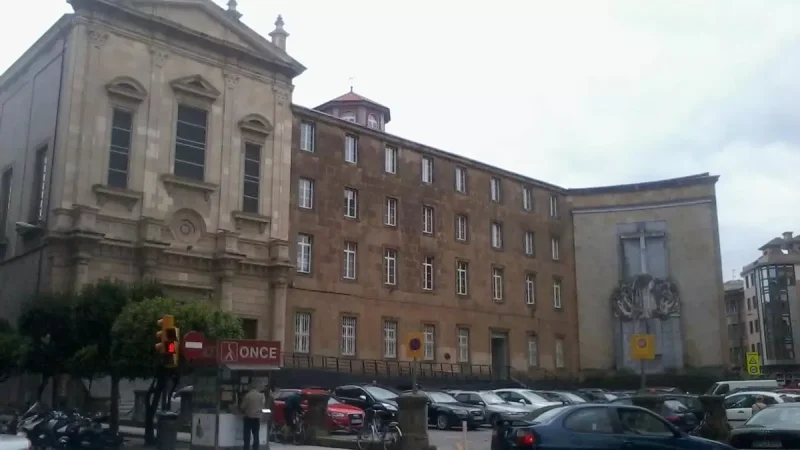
{"points": [[759, 405], [252, 404]]}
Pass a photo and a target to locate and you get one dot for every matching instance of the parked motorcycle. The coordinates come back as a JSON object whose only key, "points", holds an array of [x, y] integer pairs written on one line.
{"points": [[49, 429]]}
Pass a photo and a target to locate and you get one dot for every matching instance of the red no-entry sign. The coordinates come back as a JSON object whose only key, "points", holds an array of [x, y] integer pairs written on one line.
{"points": [[193, 344]]}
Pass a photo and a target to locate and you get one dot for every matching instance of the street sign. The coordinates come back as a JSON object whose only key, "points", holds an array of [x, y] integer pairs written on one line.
{"points": [[193, 345], [753, 363], [414, 346], [249, 351], [643, 347]]}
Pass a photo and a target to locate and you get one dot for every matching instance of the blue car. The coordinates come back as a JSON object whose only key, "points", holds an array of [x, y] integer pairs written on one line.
{"points": [[602, 426]]}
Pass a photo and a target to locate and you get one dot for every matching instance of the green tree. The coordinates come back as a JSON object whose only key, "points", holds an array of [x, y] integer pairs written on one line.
{"points": [[133, 341], [12, 350], [47, 327]]}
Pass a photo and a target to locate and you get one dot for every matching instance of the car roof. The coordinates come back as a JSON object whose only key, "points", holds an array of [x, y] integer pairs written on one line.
{"points": [[763, 393], [786, 405], [511, 390]]}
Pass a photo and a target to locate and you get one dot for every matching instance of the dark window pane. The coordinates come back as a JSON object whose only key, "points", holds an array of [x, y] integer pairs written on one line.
{"points": [[118, 161], [250, 204], [191, 134], [188, 170], [250, 189], [191, 115], [252, 152], [186, 153], [122, 119], [120, 140], [117, 179], [251, 168]]}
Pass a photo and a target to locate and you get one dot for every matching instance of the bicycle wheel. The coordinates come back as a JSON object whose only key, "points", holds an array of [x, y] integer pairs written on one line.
{"points": [[300, 434], [391, 437], [365, 436]]}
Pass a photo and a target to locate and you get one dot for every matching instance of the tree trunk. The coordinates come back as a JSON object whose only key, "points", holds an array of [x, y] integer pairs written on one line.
{"points": [[114, 413]]}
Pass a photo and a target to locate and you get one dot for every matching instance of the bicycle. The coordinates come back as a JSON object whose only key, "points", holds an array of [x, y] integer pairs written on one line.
{"points": [[284, 433], [380, 428]]}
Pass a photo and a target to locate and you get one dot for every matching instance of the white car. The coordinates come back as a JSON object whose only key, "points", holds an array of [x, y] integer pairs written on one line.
{"points": [[525, 397], [739, 406], [11, 442]]}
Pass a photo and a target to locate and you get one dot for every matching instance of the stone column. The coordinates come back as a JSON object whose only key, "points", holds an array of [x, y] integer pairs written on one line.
{"points": [[279, 282], [317, 415], [413, 421]]}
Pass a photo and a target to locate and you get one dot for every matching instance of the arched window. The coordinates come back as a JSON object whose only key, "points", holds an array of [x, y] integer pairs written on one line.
{"points": [[348, 116], [372, 122]]}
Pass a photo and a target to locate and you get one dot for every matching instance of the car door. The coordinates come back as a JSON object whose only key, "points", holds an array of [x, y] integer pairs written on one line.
{"points": [[351, 396], [591, 428], [641, 429], [738, 408], [515, 398]]}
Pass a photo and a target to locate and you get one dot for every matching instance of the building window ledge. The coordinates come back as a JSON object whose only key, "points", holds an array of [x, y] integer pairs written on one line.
{"points": [[203, 187], [126, 197], [240, 218]]}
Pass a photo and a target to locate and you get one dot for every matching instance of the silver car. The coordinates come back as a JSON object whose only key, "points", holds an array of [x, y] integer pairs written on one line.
{"points": [[525, 397], [494, 407], [11, 442]]}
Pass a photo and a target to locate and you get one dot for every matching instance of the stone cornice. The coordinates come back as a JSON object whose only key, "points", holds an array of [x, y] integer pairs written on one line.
{"points": [[643, 206]]}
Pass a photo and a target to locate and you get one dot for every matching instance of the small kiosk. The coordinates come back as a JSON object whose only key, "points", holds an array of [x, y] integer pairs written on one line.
{"points": [[223, 372]]}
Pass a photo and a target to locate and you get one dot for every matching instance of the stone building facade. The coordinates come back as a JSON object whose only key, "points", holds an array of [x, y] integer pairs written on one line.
{"points": [[648, 262], [150, 140], [394, 237]]}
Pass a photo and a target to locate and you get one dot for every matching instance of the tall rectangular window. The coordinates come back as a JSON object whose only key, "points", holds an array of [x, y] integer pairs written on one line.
{"points": [[40, 170], [553, 206], [427, 273], [530, 248], [463, 345], [190, 143], [527, 199], [302, 332], [530, 289], [390, 160], [120, 148], [307, 133], [390, 267], [429, 342], [349, 264], [390, 339], [497, 284], [462, 277], [305, 193], [497, 235], [351, 149], [427, 170], [5, 199], [350, 203], [390, 215], [555, 249], [533, 351], [560, 357], [427, 219], [556, 293], [304, 247], [494, 190], [462, 227], [348, 347], [252, 178], [461, 180]]}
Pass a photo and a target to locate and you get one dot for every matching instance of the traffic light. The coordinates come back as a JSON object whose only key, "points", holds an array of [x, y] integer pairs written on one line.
{"points": [[168, 341]]}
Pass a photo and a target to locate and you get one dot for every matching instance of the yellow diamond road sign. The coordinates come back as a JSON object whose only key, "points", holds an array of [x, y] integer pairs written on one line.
{"points": [[753, 363]]}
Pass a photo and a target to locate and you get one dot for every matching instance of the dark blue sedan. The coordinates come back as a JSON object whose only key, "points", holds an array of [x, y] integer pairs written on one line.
{"points": [[602, 426]]}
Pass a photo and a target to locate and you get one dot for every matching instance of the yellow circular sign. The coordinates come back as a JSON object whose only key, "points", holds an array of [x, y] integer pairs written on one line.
{"points": [[753, 369]]}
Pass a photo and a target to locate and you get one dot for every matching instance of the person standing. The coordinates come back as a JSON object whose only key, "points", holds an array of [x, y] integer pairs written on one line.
{"points": [[759, 404], [252, 404]]}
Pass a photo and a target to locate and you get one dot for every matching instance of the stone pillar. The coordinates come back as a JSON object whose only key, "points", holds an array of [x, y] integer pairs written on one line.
{"points": [[81, 276], [715, 424], [317, 415], [279, 282], [413, 421]]}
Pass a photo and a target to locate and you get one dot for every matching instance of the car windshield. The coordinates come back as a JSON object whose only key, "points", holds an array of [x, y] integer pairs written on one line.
{"points": [[780, 418], [551, 396], [675, 406], [491, 398], [573, 397], [441, 397], [548, 415], [333, 401], [540, 397], [380, 393]]}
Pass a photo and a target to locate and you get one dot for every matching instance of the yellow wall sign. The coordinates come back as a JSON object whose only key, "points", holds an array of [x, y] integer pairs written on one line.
{"points": [[414, 346], [753, 363], [643, 346]]}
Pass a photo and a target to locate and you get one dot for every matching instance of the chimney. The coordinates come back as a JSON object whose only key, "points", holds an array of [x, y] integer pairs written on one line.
{"points": [[279, 35], [787, 235], [232, 4]]}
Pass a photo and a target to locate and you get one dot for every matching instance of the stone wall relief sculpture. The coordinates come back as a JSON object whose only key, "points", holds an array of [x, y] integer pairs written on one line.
{"points": [[645, 297], [187, 226]]}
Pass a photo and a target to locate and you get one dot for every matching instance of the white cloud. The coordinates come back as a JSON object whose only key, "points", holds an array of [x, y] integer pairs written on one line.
{"points": [[575, 92]]}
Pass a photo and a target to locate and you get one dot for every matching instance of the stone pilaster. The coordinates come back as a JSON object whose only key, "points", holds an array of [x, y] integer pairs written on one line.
{"points": [[413, 421], [279, 285], [82, 240], [226, 264]]}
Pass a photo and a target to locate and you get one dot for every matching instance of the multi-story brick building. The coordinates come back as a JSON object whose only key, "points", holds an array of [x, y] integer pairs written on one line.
{"points": [[395, 237]]}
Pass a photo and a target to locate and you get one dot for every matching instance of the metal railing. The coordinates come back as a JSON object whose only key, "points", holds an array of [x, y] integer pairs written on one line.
{"points": [[389, 368]]}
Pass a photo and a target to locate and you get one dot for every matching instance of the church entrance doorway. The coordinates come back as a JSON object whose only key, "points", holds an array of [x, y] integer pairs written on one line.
{"points": [[500, 355]]}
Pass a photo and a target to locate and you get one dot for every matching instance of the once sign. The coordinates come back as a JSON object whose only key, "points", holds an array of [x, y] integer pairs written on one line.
{"points": [[246, 351]]}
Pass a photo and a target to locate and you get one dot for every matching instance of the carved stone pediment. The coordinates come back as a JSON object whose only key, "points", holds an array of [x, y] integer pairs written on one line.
{"points": [[171, 182], [125, 197], [241, 218], [195, 86], [256, 124], [126, 88]]}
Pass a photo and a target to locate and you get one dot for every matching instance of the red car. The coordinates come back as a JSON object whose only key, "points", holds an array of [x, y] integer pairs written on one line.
{"points": [[341, 417]]}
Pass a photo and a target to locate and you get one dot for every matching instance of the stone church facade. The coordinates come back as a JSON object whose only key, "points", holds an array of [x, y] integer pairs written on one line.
{"points": [[150, 140]]}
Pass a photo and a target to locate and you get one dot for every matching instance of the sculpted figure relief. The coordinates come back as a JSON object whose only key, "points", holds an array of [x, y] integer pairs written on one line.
{"points": [[644, 296]]}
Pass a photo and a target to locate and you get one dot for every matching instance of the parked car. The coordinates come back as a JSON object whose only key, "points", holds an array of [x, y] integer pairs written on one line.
{"points": [[526, 397], [728, 387], [674, 411], [494, 407], [367, 396], [738, 407], [341, 417], [775, 427], [564, 397], [12, 442], [446, 412], [603, 426]]}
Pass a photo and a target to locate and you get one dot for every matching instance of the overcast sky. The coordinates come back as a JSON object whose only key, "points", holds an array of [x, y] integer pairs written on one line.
{"points": [[574, 92]]}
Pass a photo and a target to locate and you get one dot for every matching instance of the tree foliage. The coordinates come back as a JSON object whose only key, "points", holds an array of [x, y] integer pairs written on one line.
{"points": [[12, 350], [47, 327]]}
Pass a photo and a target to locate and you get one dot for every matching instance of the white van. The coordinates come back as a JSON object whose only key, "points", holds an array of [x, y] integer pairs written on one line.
{"points": [[725, 387]]}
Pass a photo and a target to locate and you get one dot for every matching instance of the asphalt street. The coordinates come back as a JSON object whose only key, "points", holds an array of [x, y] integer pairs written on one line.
{"points": [[453, 440]]}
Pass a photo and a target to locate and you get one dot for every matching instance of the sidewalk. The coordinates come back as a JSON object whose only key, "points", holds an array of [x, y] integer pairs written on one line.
{"points": [[135, 441]]}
